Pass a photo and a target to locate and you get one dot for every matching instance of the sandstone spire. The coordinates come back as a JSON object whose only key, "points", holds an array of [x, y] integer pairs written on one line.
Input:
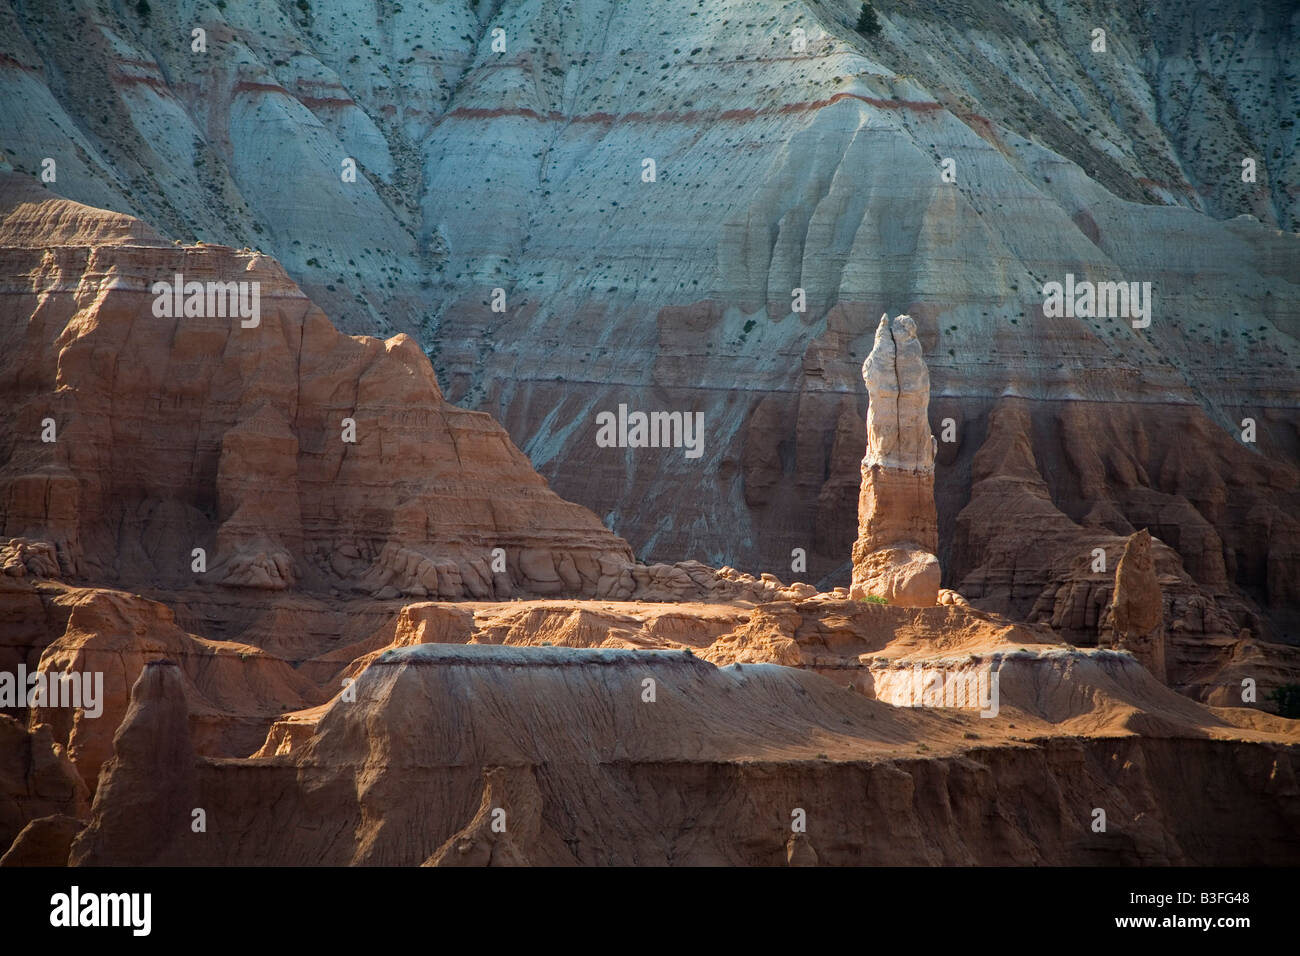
{"points": [[1137, 606], [898, 527]]}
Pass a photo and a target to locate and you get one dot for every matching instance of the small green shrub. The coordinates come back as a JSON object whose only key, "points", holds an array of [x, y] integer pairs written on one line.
{"points": [[1287, 698], [874, 599]]}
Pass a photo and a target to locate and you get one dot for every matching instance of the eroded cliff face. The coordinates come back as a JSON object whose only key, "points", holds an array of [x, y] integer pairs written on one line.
{"points": [[391, 733], [464, 755], [819, 168], [267, 452], [1026, 543]]}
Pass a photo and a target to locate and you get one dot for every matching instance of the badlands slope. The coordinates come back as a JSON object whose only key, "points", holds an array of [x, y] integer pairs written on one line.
{"points": [[312, 699], [461, 712], [818, 169]]}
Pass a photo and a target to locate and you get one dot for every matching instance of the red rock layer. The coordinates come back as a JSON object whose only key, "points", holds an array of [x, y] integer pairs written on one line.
{"points": [[1052, 483], [172, 434]]}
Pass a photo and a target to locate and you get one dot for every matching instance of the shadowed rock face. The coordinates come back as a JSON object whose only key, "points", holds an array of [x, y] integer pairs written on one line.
{"points": [[147, 795], [898, 529], [509, 817], [1049, 490], [46, 841], [1139, 623], [37, 780]]}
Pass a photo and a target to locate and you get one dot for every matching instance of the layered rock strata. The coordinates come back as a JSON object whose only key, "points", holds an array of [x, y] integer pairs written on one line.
{"points": [[389, 743], [498, 755], [821, 170], [266, 452], [284, 456]]}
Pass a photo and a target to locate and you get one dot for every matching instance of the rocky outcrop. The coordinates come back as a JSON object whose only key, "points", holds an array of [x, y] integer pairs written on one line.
{"points": [[234, 690], [693, 581], [375, 775], [872, 647], [1054, 500], [147, 798], [46, 841], [281, 455], [265, 490], [23, 556], [898, 528], [552, 755], [37, 779], [1137, 610], [507, 824]]}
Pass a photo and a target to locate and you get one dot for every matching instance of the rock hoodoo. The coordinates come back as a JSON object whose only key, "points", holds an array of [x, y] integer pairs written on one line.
{"points": [[1137, 610], [898, 527]]}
